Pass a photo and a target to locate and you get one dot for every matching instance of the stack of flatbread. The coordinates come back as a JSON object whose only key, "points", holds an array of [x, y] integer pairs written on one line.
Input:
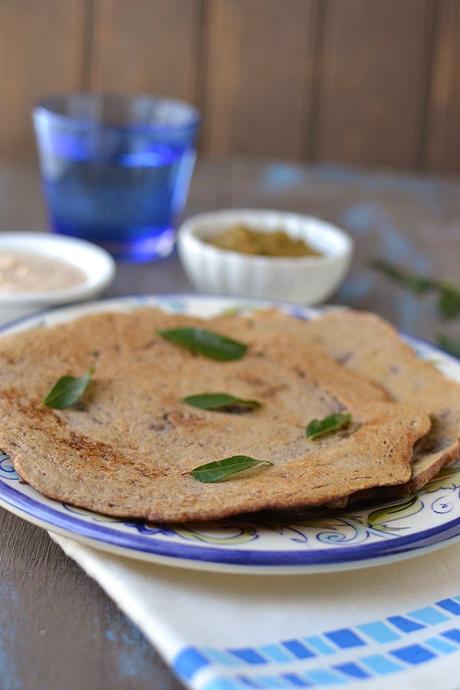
{"points": [[129, 446]]}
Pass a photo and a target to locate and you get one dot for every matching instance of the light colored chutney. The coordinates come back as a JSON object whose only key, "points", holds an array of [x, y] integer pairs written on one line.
{"points": [[28, 272]]}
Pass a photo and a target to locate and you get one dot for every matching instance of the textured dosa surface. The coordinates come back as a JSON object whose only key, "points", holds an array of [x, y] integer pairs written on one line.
{"points": [[370, 346], [130, 447]]}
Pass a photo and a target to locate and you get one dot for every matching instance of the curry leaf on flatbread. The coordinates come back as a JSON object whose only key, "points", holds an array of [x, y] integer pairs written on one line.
{"points": [[223, 469], [206, 343], [221, 402], [321, 427], [67, 391]]}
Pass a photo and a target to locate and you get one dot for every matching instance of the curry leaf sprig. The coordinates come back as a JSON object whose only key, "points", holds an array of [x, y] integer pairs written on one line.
{"points": [[67, 391], [205, 343], [221, 402], [321, 427], [220, 470], [448, 295], [448, 300], [449, 345], [417, 283]]}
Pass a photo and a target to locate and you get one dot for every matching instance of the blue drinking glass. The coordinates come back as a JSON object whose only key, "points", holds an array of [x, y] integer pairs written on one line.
{"points": [[116, 168]]}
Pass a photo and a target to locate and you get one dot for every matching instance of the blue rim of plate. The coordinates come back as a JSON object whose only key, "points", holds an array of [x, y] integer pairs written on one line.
{"points": [[157, 547]]}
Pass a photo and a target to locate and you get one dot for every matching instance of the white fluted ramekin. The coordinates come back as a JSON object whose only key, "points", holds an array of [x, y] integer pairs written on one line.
{"points": [[306, 280]]}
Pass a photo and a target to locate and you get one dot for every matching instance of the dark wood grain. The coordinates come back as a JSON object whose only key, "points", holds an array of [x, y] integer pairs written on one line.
{"points": [[146, 45], [366, 82], [259, 75], [442, 145], [40, 53], [374, 81], [47, 640], [57, 628]]}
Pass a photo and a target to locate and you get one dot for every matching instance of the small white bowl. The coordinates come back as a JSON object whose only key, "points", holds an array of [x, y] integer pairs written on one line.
{"points": [[306, 280], [97, 265]]}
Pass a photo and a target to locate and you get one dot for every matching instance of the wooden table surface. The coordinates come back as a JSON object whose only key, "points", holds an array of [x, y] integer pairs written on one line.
{"points": [[57, 629]]}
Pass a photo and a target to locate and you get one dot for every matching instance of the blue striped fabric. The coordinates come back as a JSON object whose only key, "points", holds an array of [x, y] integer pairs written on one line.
{"points": [[378, 648]]}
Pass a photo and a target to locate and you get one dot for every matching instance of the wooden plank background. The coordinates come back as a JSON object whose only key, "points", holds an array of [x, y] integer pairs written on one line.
{"points": [[362, 82]]}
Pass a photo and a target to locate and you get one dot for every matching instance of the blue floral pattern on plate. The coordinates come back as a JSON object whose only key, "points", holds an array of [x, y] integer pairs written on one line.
{"points": [[261, 543], [7, 470]]}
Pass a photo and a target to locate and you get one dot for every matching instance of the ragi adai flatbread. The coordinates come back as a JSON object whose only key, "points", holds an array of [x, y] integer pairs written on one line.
{"points": [[372, 348], [129, 447]]}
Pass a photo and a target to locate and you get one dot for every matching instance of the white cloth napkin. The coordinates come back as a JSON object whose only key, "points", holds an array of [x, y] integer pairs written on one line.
{"points": [[394, 626]]}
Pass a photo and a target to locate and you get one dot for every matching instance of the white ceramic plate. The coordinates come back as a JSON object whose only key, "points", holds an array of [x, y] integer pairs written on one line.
{"points": [[341, 541]]}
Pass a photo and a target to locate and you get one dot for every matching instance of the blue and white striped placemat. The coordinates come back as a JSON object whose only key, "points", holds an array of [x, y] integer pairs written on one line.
{"points": [[379, 628]]}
